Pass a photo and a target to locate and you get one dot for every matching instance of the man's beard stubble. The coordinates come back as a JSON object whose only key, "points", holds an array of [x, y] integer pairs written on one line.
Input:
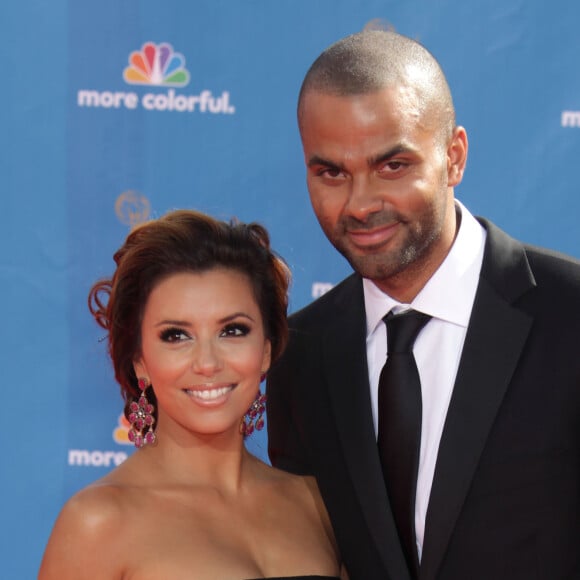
{"points": [[384, 263]]}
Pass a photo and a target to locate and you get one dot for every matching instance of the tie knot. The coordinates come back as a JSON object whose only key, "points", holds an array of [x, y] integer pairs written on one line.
{"points": [[402, 329]]}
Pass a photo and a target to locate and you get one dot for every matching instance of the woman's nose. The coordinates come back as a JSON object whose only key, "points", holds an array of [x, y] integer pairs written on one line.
{"points": [[206, 359]]}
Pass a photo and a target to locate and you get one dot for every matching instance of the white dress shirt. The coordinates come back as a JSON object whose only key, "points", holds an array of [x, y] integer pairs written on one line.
{"points": [[448, 297]]}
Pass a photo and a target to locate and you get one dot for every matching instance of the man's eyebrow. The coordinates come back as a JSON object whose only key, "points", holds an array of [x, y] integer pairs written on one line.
{"points": [[372, 161], [385, 156], [317, 160]]}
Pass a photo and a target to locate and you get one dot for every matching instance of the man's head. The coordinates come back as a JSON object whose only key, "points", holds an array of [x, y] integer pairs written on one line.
{"points": [[383, 154]]}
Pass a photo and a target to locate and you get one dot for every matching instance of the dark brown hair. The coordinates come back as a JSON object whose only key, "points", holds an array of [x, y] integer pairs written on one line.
{"points": [[185, 241]]}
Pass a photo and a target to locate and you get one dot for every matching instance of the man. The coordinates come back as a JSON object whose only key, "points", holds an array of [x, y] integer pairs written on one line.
{"points": [[496, 491]]}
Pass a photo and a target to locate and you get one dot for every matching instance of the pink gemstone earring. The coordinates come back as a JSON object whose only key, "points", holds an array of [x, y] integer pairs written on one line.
{"points": [[141, 418], [253, 418]]}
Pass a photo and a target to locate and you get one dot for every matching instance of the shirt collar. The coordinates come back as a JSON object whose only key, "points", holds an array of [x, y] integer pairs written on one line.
{"points": [[449, 293]]}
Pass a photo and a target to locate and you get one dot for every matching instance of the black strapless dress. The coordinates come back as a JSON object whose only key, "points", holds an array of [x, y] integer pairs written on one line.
{"points": [[297, 578]]}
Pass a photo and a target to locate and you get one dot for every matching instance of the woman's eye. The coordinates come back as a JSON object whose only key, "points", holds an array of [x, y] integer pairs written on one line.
{"points": [[173, 335], [236, 329]]}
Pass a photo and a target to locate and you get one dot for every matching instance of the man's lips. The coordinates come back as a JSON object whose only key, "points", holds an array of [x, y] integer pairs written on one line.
{"points": [[367, 238]]}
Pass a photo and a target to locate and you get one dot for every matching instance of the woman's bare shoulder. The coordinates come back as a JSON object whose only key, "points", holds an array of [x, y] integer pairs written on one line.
{"points": [[303, 486], [300, 508], [88, 526], [98, 506], [301, 490]]}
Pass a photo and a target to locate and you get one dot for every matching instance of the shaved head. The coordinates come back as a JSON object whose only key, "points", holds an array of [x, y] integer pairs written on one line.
{"points": [[372, 60]]}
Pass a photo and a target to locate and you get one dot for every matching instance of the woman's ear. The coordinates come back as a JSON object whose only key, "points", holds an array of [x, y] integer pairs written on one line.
{"points": [[267, 358], [140, 369]]}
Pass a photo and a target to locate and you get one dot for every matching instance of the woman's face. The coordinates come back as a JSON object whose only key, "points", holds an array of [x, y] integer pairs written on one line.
{"points": [[203, 350]]}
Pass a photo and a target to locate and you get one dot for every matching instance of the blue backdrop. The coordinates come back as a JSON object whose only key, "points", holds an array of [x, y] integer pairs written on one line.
{"points": [[117, 110]]}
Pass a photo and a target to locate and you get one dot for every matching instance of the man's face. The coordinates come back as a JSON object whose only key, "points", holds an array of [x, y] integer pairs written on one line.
{"points": [[380, 174]]}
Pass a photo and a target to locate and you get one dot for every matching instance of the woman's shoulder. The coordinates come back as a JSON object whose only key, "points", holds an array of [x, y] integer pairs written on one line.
{"points": [[95, 514], [97, 504], [300, 486], [90, 523], [302, 493], [298, 515]]}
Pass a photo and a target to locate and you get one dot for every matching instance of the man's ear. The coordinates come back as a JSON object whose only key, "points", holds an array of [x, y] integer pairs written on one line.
{"points": [[456, 156]]}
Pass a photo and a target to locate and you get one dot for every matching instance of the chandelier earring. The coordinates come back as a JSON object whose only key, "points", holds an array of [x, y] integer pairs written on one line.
{"points": [[141, 418], [253, 419]]}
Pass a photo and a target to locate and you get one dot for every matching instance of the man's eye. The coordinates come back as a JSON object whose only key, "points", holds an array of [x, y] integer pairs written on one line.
{"points": [[393, 166], [173, 335], [331, 173], [236, 329]]}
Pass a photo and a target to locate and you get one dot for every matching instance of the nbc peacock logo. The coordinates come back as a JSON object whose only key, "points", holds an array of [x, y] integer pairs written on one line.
{"points": [[156, 64]]}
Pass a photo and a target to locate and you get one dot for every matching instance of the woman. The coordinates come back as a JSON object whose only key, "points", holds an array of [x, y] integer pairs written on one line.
{"points": [[195, 314]]}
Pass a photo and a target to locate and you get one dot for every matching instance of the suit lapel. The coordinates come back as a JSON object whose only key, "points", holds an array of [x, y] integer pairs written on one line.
{"points": [[345, 364], [494, 341]]}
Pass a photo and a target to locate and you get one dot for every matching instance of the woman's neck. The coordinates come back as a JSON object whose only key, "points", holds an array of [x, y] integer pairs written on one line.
{"points": [[184, 459]]}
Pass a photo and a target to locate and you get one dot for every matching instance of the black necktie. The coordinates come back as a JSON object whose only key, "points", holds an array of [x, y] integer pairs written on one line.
{"points": [[399, 436]]}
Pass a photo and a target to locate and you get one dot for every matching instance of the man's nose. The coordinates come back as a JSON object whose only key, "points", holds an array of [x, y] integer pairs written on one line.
{"points": [[364, 198]]}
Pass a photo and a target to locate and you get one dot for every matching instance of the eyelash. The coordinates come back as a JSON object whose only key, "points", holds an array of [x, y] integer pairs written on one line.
{"points": [[173, 334], [233, 330], [236, 329]]}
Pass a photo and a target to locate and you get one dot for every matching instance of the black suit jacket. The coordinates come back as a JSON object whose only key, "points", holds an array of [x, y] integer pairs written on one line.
{"points": [[505, 500]]}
